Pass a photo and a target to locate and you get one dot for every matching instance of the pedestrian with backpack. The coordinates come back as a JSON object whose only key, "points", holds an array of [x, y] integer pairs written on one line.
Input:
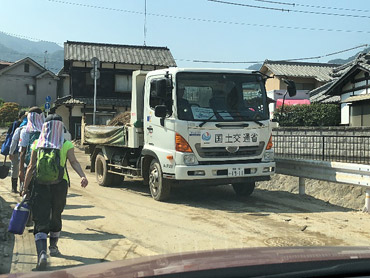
{"points": [[5, 150], [35, 120], [48, 168]]}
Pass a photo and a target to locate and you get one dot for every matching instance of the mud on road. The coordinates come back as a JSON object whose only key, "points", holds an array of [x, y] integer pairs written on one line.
{"points": [[114, 223]]}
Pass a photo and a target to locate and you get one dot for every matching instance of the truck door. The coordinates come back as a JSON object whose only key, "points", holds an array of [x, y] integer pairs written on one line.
{"points": [[159, 131]]}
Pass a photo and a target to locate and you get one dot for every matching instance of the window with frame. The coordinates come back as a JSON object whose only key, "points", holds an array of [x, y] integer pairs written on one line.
{"points": [[123, 83], [26, 67], [31, 89], [153, 99]]}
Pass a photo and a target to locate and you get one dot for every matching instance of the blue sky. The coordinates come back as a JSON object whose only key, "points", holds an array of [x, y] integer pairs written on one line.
{"points": [[236, 40]]}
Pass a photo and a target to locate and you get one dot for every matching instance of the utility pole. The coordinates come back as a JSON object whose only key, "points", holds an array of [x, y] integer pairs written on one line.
{"points": [[45, 53], [95, 74], [145, 23]]}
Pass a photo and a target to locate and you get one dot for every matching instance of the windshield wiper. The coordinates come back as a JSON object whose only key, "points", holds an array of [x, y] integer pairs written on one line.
{"points": [[231, 113], [205, 121], [238, 114]]}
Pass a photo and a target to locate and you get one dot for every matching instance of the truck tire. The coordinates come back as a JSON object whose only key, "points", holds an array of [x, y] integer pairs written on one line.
{"points": [[160, 188], [101, 171], [244, 189], [118, 179]]}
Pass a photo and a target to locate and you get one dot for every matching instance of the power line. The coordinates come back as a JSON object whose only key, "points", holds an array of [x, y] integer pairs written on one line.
{"points": [[287, 60], [313, 6], [215, 21], [287, 10]]}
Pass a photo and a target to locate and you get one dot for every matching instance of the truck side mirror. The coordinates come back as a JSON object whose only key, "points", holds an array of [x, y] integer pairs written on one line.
{"points": [[160, 111], [292, 91]]}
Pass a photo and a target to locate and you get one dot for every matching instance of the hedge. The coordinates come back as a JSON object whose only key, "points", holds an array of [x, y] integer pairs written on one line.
{"points": [[8, 112], [315, 114]]}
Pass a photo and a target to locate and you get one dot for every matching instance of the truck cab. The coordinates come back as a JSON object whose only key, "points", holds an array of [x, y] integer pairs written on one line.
{"points": [[207, 127]]}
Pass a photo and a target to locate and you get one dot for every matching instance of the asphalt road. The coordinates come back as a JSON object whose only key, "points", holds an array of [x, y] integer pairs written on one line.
{"points": [[115, 223]]}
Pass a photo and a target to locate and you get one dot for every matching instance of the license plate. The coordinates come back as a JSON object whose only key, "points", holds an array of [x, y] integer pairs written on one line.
{"points": [[235, 172]]}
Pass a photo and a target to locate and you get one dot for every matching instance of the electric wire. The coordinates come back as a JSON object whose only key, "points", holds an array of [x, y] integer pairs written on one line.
{"points": [[212, 20], [287, 10], [313, 6]]}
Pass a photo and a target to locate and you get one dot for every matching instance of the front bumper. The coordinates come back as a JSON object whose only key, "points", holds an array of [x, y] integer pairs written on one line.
{"points": [[212, 172]]}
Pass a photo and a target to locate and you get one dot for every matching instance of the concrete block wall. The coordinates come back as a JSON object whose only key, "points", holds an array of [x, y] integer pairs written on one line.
{"points": [[347, 144]]}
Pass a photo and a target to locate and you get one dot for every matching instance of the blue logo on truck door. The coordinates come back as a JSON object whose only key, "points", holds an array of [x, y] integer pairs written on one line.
{"points": [[206, 136]]}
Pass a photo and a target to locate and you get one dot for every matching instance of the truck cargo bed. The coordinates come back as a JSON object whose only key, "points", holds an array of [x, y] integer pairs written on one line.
{"points": [[105, 135]]}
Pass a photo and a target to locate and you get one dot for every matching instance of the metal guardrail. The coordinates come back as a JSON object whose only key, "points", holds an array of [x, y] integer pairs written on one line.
{"points": [[346, 173], [340, 148]]}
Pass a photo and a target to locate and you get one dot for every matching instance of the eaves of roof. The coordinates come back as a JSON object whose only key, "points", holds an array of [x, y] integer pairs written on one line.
{"points": [[80, 101], [358, 98], [47, 72], [318, 71], [120, 54], [24, 60]]}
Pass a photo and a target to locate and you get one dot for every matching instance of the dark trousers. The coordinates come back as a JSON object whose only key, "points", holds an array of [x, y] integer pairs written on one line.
{"points": [[47, 206]]}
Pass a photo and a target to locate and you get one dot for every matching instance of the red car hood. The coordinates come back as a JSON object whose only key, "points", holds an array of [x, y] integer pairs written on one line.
{"points": [[208, 261]]}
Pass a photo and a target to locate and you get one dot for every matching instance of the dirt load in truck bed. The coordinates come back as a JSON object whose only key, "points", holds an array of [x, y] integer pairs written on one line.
{"points": [[121, 119], [105, 135]]}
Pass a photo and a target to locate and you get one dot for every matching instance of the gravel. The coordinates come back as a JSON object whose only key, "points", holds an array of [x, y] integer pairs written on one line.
{"points": [[6, 239], [343, 195]]}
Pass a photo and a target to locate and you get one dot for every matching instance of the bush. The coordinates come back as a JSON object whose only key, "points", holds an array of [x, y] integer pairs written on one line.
{"points": [[1, 102], [8, 112], [316, 114]]}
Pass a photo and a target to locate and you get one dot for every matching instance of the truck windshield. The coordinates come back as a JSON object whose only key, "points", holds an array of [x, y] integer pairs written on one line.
{"points": [[220, 97]]}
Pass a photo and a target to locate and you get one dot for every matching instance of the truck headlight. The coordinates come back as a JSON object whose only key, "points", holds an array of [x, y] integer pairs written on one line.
{"points": [[190, 159], [268, 156]]}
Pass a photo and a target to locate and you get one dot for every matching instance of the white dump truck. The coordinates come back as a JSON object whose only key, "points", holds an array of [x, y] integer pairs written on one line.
{"points": [[188, 126]]}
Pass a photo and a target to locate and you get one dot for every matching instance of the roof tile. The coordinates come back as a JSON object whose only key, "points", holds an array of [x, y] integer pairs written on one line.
{"points": [[319, 71], [113, 53]]}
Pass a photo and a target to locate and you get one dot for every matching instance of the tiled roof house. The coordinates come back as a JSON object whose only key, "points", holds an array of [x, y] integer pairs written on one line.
{"points": [[307, 76], [117, 62], [349, 87]]}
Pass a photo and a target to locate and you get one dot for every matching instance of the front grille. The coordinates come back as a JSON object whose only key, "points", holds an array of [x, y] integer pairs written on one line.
{"points": [[223, 162], [221, 152]]}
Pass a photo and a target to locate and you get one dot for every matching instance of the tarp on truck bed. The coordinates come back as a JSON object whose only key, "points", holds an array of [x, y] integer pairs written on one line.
{"points": [[105, 135]]}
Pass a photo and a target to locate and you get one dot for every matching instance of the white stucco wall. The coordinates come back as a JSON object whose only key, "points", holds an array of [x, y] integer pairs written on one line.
{"points": [[13, 89], [64, 113], [46, 86]]}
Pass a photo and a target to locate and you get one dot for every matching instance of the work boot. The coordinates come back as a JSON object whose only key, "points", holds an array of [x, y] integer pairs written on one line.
{"points": [[41, 245], [53, 248], [14, 185]]}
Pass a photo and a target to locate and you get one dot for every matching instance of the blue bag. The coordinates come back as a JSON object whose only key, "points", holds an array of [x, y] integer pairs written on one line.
{"points": [[5, 147], [19, 218]]}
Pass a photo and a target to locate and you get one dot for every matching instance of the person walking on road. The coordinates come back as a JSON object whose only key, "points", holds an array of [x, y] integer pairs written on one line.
{"points": [[13, 154], [35, 120], [47, 169], [15, 149]]}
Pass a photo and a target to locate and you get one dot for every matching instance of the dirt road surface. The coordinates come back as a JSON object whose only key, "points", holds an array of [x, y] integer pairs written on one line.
{"points": [[106, 224]]}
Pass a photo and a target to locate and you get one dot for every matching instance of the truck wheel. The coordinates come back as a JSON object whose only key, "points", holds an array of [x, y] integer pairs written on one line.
{"points": [[101, 171], [159, 187], [244, 189]]}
